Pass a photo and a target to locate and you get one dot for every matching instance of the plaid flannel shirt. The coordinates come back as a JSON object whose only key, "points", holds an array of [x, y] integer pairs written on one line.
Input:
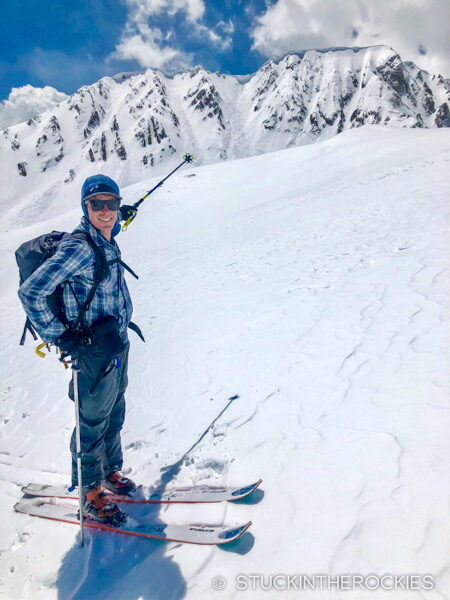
{"points": [[74, 262]]}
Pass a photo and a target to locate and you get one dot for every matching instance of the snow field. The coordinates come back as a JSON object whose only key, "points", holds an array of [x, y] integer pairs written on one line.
{"points": [[312, 283]]}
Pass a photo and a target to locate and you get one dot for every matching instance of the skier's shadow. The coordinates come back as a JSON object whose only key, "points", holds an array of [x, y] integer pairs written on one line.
{"points": [[120, 567], [112, 565], [169, 473], [116, 566]]}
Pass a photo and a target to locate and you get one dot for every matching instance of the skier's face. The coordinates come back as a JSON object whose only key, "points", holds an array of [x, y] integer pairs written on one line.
{"points": [[104, 219]]}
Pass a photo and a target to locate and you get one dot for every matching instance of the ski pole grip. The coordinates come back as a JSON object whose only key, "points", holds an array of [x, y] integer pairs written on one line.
{"points": [[128, 221]]}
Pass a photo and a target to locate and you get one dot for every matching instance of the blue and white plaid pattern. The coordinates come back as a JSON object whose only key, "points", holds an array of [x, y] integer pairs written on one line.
{"points": [[74, 262]]}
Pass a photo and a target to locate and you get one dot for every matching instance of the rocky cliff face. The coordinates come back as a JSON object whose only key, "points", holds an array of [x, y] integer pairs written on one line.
{"points": [[136, 126]]}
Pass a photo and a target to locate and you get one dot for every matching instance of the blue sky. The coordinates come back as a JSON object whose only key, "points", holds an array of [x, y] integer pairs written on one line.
{"points": [[51, 48], [69, 45]]}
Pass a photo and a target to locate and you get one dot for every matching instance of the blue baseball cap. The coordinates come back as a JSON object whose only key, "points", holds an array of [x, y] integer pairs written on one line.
{"points": [[99, 184]]}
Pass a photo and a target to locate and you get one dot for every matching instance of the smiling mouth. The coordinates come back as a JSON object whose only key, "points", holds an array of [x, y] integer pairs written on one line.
{"points": [[105, 219]]}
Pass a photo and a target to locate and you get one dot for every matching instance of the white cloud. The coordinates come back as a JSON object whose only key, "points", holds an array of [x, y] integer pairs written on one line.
{"points": [[416, 29], [140, 10], [27, 101], [150, 47], [214, 38], [193, 8], [226, 27], [143, 45]]}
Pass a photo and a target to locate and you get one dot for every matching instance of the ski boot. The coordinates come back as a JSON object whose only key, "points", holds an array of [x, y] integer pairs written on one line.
{"points": [[119, 484], [98, 507]]}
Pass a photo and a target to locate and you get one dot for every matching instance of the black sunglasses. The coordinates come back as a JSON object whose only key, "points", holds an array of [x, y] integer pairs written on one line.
{"points": [[97, 205]]}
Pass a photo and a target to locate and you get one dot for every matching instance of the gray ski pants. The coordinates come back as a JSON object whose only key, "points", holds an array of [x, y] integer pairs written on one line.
{"points": [[102, 414]]}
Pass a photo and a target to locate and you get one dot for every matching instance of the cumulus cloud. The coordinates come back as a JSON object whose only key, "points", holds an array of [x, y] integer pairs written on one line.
{"points": [[416, 29], [144, 45], [226, 27], [27, 101], [213, 37], [147, 44], [140, 10]]}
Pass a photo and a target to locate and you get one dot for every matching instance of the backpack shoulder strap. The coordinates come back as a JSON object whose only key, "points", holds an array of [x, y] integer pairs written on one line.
{"points": [[101, 264], [127, 268], [101, 271], [119, 260]]}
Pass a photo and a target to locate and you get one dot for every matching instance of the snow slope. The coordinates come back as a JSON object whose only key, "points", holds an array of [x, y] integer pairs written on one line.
{"points": [[129, 128], [313, 283]]}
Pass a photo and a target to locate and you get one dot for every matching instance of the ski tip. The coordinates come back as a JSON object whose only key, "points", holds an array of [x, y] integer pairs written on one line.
{"points": [[230, 535], [241, 493], [254, 486]]}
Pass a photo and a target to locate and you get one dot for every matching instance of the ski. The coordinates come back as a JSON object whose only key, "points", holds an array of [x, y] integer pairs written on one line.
{"points": [[189, 534], [144, 495]]}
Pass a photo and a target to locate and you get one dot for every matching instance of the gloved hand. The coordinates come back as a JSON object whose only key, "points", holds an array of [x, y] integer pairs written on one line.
{"points": [[127, 211], [71, 341]]}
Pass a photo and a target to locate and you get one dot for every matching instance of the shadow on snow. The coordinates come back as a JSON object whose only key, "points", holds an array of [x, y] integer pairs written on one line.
{"points": [[115, 566]]}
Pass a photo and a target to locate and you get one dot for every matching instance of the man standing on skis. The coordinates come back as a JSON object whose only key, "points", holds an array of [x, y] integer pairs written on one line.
{"points": [[98, 341]]}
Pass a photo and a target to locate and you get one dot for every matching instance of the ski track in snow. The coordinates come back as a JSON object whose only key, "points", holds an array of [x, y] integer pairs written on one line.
{"points": [[312, 283]]}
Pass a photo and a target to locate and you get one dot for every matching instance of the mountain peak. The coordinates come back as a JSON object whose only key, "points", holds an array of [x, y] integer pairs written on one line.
{"points": [[133, 122]]}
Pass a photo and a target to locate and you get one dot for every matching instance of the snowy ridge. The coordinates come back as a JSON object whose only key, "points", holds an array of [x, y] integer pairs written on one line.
{"points": [[313, 284], [134, 125]]}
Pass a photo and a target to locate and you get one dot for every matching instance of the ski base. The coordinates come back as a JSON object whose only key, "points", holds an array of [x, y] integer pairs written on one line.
{"points": [[143, 495], [189, 534]]}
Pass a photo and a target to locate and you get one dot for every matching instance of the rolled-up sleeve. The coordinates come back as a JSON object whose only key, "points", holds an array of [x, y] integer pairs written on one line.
{"points": [[70, 259]]}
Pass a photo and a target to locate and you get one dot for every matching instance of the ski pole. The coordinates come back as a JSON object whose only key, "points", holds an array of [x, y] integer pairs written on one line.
{"points": [[75, 370], [187, 158]]}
